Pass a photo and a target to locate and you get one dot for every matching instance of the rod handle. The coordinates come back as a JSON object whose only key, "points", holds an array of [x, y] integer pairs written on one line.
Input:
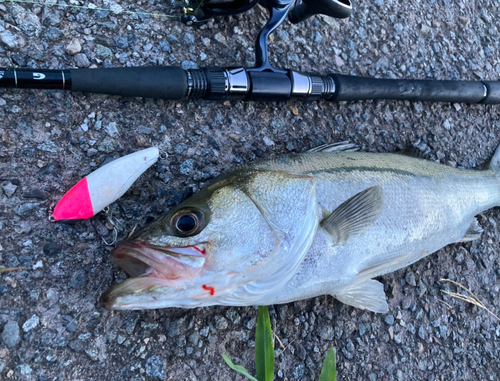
{"points": [[161, 82], [352, 88]]}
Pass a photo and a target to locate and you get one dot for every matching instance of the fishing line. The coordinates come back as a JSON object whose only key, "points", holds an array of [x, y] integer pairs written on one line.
{"points": [[199, 6], [93, 8]]}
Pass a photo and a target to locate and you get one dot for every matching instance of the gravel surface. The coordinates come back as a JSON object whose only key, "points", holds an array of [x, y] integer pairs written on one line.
{"points": [[52, 326]]}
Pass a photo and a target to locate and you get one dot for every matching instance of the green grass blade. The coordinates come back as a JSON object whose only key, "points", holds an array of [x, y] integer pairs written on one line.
{"points": [[264, 350], [238, 368], [329, 371], [6, 269]]}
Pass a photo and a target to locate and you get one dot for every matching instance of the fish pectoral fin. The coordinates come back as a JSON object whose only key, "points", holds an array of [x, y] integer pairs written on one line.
{"points": [[368, 295], [473, 232], [354, 215]]}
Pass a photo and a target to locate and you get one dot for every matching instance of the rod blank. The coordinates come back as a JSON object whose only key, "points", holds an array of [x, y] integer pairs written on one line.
{"points": [[35, 79]]}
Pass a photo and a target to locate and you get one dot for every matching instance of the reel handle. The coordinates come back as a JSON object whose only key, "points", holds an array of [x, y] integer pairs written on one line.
{"points": [[304, 9]]}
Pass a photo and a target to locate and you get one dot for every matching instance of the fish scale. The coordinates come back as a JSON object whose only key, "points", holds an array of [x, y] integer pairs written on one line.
{"points": [[315, 223], [436, 205]]}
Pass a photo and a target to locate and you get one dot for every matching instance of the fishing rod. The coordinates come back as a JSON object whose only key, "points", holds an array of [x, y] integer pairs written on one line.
{"points": [[260, 83]]}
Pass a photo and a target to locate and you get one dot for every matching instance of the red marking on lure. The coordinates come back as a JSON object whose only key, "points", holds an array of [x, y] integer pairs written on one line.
{"points": [[76, 204], [209, 288]]}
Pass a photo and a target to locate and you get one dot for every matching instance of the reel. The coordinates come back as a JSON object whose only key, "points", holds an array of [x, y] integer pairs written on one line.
{"points": [[198, 11]]}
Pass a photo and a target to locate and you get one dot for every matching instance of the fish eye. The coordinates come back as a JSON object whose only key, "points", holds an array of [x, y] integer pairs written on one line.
{"points": [[188, 222]]}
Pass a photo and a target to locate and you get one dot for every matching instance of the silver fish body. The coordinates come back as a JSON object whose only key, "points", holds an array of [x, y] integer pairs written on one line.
{"points": [[303, 225]]}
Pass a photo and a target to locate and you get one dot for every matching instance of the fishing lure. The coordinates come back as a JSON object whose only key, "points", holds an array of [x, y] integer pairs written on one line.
{"points": [[104, 186]]}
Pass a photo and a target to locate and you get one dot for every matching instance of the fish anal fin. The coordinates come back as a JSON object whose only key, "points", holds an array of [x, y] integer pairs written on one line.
{"points": [[354, 215], [473, 232], [368, 295]]}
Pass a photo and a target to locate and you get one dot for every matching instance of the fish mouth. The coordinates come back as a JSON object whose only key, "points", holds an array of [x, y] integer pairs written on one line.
{"points": [[151, 265]]}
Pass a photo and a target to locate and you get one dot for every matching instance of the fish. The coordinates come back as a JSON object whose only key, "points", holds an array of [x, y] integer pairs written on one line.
{"points": [[322, 222]]}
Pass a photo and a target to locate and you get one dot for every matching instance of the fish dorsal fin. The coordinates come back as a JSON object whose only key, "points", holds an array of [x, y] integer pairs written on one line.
{"points": [[335, 147], [415, 153], [473, 232], [354, 215], [368, 295]]}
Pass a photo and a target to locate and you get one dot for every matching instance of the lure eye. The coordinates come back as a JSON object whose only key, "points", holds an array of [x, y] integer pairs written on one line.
{"points": [[188, 222]]}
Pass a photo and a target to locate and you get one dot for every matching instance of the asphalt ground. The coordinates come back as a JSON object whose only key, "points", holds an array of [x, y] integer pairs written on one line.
{"points": [[53, 327]]}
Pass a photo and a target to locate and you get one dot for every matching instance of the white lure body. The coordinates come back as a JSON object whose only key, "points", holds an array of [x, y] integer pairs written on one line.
{"points": [[104, 186]]}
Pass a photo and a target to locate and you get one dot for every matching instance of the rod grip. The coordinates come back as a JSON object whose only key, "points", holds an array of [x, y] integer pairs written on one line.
{"points": [[352, 88], [161, 82]]}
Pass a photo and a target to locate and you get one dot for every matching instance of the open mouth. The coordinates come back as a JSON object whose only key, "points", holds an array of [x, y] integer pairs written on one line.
{"points": [[157, 265], [152, 266]]}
